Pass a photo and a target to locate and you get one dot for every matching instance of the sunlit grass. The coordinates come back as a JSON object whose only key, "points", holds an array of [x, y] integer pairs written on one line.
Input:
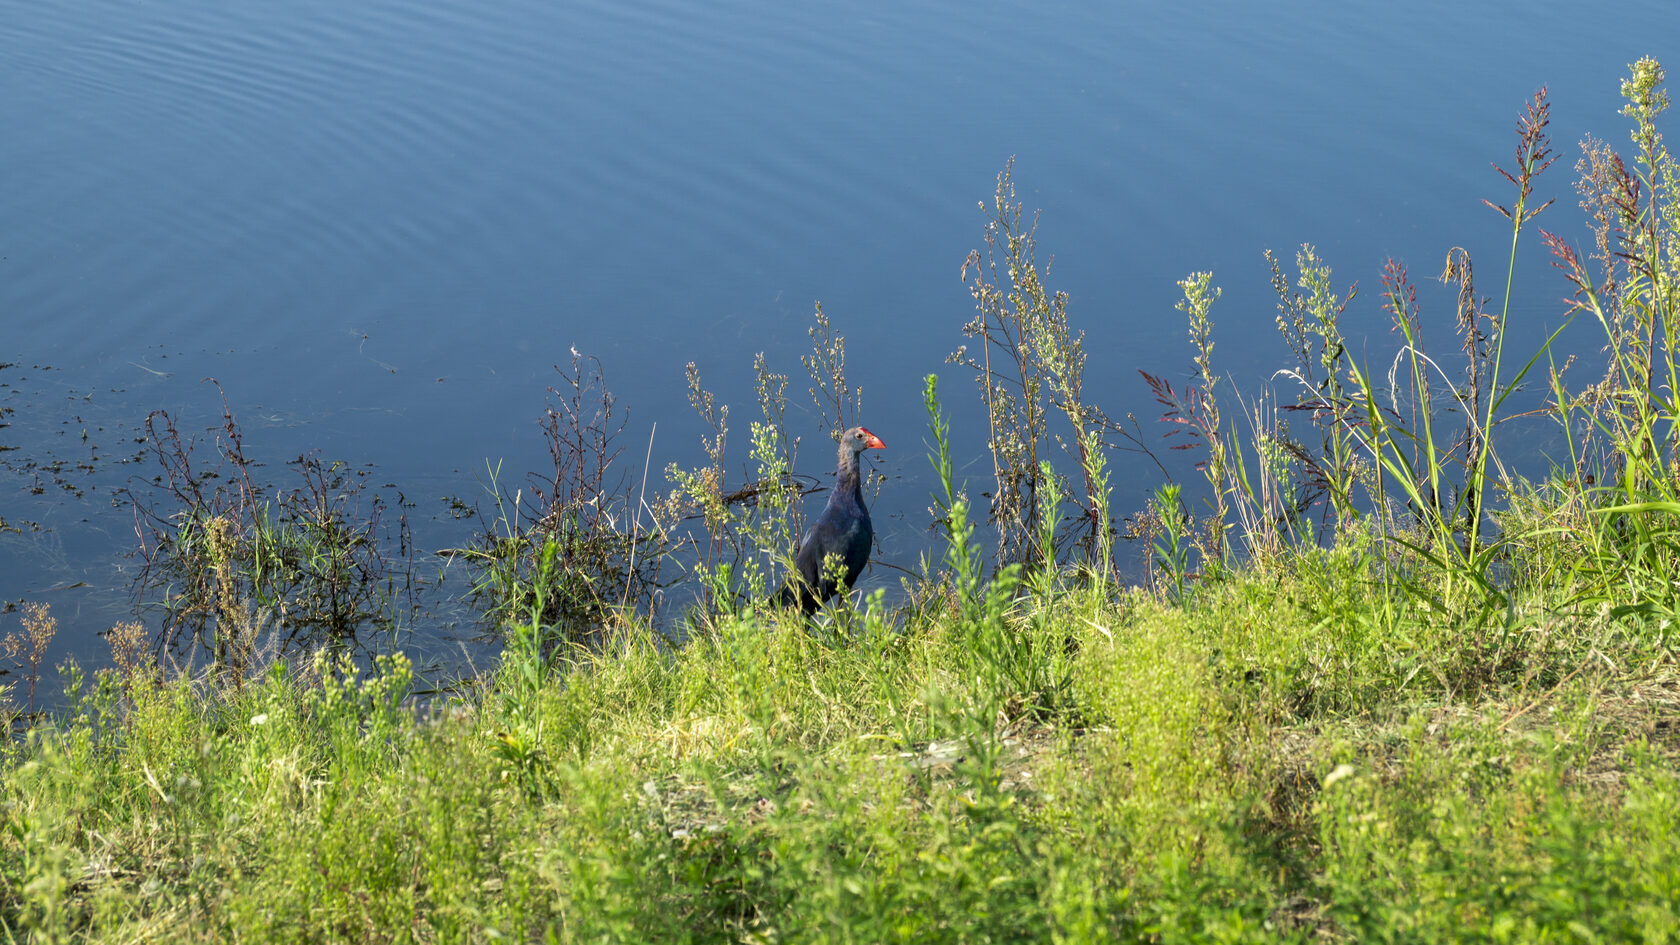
{"points": [[1271, 763]]}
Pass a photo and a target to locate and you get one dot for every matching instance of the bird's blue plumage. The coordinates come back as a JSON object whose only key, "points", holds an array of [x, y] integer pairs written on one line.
{"points": [[842, 531]]}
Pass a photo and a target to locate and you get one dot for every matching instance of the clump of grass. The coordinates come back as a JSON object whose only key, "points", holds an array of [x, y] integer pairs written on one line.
{"points": [[1385, 448], [1616, 497], [1019, 665]]}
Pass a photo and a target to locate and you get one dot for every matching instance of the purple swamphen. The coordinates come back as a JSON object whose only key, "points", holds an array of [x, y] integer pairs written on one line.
{"points": [[842, 530]]}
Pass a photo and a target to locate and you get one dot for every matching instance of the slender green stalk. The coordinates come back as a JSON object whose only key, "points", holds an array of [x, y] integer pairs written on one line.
{"points": [[1533, 157]]}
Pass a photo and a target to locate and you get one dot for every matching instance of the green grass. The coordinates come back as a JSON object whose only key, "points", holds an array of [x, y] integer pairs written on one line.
{"points": [[1279, 760]]}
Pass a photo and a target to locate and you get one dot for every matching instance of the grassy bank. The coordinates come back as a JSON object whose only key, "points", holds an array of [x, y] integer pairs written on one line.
{"points": [[1286, 758], [1382, 689]]}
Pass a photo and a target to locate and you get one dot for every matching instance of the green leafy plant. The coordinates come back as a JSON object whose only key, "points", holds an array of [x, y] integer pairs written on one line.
{"points": [[1172, 545]]}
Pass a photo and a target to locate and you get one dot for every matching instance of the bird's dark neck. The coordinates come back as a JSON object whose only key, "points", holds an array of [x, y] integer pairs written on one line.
{"points": [[848, 485]]}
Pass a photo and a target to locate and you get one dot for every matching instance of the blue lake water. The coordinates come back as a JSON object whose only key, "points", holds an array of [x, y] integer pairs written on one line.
{"points": [[380, 224]]}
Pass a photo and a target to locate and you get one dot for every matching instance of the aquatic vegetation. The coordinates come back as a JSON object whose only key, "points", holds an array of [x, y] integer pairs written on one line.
{"points": [[229, 559], [586, 541]]}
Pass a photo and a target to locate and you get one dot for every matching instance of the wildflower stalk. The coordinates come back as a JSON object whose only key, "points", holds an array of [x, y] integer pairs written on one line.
{"points": [[1534, 155]]}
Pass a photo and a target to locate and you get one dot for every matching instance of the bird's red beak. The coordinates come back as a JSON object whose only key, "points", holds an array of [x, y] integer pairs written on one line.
{"points": [[874, 442]]}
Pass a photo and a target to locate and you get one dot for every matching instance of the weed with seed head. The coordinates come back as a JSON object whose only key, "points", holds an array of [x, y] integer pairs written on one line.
{"points": [[1309, 318], [28, 650], [837, 403], [749, 532], [1030, 362], [131, 651], [1193, 412], [1621, 431]]}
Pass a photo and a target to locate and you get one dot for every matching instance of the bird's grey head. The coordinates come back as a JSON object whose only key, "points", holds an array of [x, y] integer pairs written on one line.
{"points": [[858, 439]]}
